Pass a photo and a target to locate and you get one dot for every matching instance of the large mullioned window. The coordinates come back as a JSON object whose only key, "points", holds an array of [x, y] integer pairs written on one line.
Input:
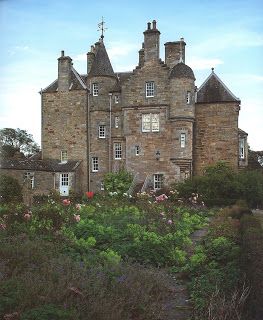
{"points": [[150, 122]]}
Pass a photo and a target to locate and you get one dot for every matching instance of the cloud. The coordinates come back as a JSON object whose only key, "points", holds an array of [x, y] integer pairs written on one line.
{"points": [[203, 64]]}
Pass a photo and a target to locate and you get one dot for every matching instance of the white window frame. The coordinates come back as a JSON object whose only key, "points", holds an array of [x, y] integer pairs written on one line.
{"points": [[150, 122], [137, 150], [94, 164], [29, 176], [102, 131], [157, 181], [117, 150], [64, 156], [117, 122], [188, 97], [64, 179], [95, 89], [242, 148], [149, 89], [183, 140]]}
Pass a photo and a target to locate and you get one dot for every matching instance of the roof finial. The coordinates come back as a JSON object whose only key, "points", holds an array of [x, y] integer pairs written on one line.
{"points": [[102, 28], [213, 69]]}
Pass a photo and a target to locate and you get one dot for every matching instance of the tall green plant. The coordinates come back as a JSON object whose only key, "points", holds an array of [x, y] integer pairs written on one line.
{"points": [[118, 182], [10, 189]]}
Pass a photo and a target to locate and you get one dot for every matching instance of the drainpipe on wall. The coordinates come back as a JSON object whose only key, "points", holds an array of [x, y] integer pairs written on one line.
{"points": [[110, 96], [88, 136], [42, 127]]}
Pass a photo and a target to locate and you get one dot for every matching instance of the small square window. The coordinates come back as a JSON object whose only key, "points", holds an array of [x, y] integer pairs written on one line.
{"points": [[95, 164], [117, 150], [137, 150], [183, 140], [64, 156], [95, 89], [102, 131], [149, 89]]}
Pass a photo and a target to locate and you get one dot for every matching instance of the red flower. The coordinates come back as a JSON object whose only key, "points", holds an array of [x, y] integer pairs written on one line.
{"points": [[90, 194]]}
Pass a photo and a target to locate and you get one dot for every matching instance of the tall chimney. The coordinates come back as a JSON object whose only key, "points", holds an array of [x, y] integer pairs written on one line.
{"points": [[151, 43], [90, 58], [174, 52], [64, 72], [141, 56]]}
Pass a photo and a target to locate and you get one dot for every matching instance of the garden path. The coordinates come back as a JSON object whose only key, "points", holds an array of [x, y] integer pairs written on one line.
{"points": [[179, 306]]}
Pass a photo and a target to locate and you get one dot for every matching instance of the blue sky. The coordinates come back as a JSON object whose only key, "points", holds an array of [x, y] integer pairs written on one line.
{"points": [[226, 35]]}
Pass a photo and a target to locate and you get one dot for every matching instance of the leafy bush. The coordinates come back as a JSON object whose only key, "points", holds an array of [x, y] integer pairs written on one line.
{"points": [[118, 182], [220, 185], [47, 312], [10, 189]]}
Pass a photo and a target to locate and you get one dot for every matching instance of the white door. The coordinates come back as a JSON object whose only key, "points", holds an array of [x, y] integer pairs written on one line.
{"points": [[64, 184]]}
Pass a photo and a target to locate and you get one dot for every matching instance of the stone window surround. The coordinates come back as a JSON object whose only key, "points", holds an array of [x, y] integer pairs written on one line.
{"points": [[152, 121], [94, 164], [149, 89]]}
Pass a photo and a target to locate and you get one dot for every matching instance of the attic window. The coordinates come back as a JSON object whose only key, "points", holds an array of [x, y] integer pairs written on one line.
{"points": [[64, 156], [149, 88]]}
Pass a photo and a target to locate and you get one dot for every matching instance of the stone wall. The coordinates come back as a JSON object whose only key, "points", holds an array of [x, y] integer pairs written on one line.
{"points": [[215, 135]]}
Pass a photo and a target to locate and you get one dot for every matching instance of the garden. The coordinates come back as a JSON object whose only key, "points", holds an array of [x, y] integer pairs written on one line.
{"points": [[117, 256]]}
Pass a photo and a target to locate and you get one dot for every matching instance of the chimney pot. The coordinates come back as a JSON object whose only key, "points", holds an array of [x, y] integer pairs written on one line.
{"points": [[62, 53], [149, 25], [154, 24]]}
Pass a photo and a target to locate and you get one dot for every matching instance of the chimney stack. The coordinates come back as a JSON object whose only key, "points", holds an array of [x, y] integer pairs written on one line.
{"points": [[151, 43], [64, 72], [174, 52], [90, 58]]}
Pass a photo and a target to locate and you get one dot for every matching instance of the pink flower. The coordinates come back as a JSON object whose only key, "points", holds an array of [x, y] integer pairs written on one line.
{"points": [[78, 206], [2, 226], [169, 221], [77, 217], [162, 197], [27, 216], [66, 202], [90, 194]]}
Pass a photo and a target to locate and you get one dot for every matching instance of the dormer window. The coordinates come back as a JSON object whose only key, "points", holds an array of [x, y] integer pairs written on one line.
{"points": [[95, 89], [149, 89], [64, 156]]}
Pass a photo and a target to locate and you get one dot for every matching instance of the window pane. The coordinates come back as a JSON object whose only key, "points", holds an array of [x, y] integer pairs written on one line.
{"points": [[150, 89], [155, 122], [183, 140], [64, 179], [146, 122], [95, 89], [95, 164], [117, 151]]}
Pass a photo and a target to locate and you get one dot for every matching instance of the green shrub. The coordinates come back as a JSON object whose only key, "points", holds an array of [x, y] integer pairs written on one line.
{"points": [[47, 312], [10, 190], [118, 182]]}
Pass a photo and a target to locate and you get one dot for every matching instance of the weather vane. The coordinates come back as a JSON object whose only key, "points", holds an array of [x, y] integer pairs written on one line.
{"points": [[102, 28]]}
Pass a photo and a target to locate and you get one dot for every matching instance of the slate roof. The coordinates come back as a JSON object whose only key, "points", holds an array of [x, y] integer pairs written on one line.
{"points": [[214, 90], [242, 132], [181, 70], [39, 165], [77, 83], [101, 65]]}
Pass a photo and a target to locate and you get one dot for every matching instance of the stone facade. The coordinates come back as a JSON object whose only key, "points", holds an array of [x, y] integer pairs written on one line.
{"points": [[151, 121]]}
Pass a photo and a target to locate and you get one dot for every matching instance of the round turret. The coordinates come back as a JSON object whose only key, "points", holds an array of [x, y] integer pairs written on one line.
{"points": [[181, 70]]}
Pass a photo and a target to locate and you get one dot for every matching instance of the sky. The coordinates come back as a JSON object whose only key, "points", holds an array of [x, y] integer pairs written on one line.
{"points": [[226, 35]]}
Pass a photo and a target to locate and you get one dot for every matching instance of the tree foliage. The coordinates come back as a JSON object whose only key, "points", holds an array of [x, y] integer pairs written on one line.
{"points": [[16, 140], [10, 189]]}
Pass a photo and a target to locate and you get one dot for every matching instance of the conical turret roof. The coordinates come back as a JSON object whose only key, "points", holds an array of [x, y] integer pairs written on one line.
{"points": [[101, 65]]}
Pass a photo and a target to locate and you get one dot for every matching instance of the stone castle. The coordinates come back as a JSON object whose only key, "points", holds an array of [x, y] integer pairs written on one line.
{"points": [[152, 121]]}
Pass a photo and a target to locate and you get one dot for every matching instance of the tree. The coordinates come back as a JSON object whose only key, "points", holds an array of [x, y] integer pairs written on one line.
{"points": [[10, 190], [16, 140]]}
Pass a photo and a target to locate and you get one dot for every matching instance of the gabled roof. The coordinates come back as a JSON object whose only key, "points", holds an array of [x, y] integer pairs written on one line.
{"points": [[101, 65], [242, 132], [214, 90], [39, 165], [76, 83]]}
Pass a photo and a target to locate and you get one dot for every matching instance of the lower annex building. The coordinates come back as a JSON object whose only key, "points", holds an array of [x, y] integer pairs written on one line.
{"points": [[152, 121]]}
